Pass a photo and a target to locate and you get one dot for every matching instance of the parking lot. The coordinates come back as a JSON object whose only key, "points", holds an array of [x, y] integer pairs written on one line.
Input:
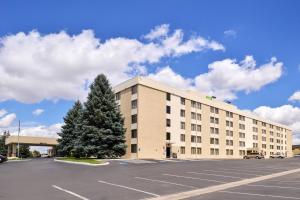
{"points": [[152, 179]]}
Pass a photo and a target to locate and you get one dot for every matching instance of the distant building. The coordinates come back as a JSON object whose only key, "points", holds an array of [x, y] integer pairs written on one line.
{"points": [[164, 122], [296, 149]]}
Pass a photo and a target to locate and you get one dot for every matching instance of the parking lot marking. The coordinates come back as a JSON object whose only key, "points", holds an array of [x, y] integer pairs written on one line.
{"points": [[129, 188], [214, 175], [70, 192], [196, 178], [160, 181], [261, 195], [275, 186], [220, 187], [230, 172]]}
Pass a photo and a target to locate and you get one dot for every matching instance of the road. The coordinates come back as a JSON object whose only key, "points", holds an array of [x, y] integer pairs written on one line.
{"points": [[44, 179]]}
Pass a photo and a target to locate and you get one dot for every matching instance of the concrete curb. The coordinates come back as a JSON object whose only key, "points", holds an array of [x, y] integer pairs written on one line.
{"points": [[81, 163], [19, 160]]}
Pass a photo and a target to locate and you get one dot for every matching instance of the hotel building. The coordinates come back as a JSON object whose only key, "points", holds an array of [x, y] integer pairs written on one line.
{"points": [[164, 122]]}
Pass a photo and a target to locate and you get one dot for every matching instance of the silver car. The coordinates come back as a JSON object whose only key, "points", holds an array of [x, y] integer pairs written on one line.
{"points": [[277, 155]]}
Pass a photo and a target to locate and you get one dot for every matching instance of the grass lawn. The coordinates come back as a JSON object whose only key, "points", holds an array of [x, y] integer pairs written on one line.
{"points": [[15, 158], [83, 160]]}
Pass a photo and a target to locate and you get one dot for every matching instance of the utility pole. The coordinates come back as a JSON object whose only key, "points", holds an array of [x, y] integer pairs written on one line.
{"points": [[18, 140]]}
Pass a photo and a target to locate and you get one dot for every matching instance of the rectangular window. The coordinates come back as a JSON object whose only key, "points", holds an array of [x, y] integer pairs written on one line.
{"points": [[168, 109], [255, 145], [198, 105], [198, 139], [193, 104], [264, 131], [193, 115], [134, 104], [263, 124], [168, 136], [254, 121], [242, 143], [182, 101], [168, 97], [168, 122], [182, 125], [271, 139], [182, 150], [198, 116], [182, 137], [229, 142], [264, 139], [193, 138], [134, 133], [242, 126], [182, 113], [133, 119], [229, 152], [229, 133], [198, 128], [134, 89], [199, 151], [264, 146], [133, 148], [242, 152], [193, 127], [242, 135], [118, 96], [193, 150], [241, 118]]}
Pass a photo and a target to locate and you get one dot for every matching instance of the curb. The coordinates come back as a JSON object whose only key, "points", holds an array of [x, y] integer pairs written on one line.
{"points": [[19, 160], [81, 163]]}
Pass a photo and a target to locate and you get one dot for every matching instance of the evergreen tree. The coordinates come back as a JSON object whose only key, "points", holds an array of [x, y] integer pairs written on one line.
{"points": [[102, 129], [3, 148], [25, 151], [68, 134]]}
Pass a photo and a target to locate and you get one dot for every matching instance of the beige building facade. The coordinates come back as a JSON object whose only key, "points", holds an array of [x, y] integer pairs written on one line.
{"points": [[164, 122]]}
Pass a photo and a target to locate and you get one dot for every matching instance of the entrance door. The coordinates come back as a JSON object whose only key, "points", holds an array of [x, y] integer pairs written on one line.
{"points": [[168, 152]]}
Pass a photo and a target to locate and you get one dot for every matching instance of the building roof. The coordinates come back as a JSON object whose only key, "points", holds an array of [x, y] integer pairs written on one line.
{"points": [[34, 141]]}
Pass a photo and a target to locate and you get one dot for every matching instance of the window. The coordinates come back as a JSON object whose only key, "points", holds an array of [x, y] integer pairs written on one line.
{"points": [[264, 139], [241, 118], [229, 123], [193, 115], [134, 133], [242, 152], [182, 137], [182, 150], [271, 126], [242, 143], [118, 96], [182, 113], [255, 145], [193, 127], [271, 133], [193, 138], [193, 150], [168, 122], [264, 146], [168, 109], [264, 131], [229, 114], [198, 139], [242, 135], [134, 89], [182, 125], [255, 129], [134, 104], [182, 101], [214, 151], [193, 104], [214, 110], [199, 151], [214, 141], [198, 128], [168, 97], [133, 148], [255, 137], [254, 121], [133, 119], [271, 139], [198, 105], [229, 142], [271, 146], [214, 130], [214, 120], [242, 126], [229, 152], [229, 133], [263, 124], [198, 116], [168, 136]]}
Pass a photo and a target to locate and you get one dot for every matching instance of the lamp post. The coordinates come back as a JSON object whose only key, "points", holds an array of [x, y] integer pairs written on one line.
{"points": [[19, 140]]}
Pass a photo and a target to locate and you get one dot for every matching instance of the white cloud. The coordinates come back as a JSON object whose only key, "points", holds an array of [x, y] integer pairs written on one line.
{"points": [[2, 112], [167, 76], [34, 67], [39, 130], [230, 33], [37, 112], [227, 77], [158, 32], [286, 114], [7, 120], [295, 96]]}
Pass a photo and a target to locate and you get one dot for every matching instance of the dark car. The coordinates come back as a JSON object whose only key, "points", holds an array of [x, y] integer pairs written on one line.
{"points": [[3, 158]]}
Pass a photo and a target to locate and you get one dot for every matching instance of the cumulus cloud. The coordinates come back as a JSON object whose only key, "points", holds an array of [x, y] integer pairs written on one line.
{"points": [[7, 120], [227, 77], [286, 114], [2, 112], [167, 76], [35, 67], [37, 112], [38, 130], [295, 96]]}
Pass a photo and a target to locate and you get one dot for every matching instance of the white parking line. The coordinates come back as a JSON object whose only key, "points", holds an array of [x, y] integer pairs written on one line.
{"points": [[160, 181], [275, 186], [129, 188], [70, 192], [261, 195], [195, 178], [230, 172], [218, 175]]}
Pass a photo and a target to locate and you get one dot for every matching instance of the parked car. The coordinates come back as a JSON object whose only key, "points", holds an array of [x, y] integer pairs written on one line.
{"points": [[254, 154], [45, 155], [277, 155], [3, 158]]}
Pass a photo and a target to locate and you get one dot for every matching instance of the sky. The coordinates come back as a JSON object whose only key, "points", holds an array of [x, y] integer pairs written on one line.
{"points": [[243, 51]]}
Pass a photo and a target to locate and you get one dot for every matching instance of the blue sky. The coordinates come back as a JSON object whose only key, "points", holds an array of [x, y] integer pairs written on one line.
{"points": [[261, 29]]}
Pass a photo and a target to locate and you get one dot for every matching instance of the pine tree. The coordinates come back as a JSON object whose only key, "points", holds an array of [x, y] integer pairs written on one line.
{"points": [[24, 151], [103, 134], [3, 148], [68, 134]]}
